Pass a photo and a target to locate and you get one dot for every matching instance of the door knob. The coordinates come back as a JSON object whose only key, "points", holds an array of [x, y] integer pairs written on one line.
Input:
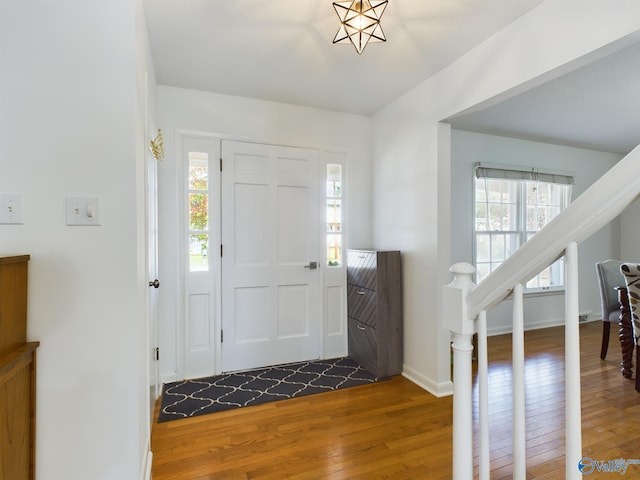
{"points": [[312, 265], [155, 283]]}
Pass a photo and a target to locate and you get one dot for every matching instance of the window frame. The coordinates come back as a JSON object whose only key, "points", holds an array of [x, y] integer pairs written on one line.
{"points": [[339, 260], [521, 178]]}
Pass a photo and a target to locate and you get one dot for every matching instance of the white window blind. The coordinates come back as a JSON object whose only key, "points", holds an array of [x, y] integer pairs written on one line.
{"points": [[532, 175]]}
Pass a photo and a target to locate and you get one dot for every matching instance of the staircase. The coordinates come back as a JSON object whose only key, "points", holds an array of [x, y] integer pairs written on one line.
{"points": [[464, 314]]}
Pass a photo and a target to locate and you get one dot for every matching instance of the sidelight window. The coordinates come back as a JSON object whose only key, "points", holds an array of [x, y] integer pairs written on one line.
{"points": [[334, 232], [198, 211]]}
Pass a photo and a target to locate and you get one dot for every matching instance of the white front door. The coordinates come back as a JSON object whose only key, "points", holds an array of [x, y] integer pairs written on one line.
{"points": [[271, 296]]}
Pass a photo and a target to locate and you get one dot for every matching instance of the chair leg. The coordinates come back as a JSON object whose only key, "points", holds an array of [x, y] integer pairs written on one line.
{"points": [[606, 329]]}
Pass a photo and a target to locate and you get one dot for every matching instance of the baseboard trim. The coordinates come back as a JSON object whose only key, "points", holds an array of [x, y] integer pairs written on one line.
{"points": [[146, 465], [443, 389], [503, 329]]}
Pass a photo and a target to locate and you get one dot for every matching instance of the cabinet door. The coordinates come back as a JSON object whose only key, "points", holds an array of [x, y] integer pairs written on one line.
{"points": [[363, 345], [361, 305], [361, 268]]}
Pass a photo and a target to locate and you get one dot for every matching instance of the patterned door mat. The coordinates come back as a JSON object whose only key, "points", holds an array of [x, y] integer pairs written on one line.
{"points": [[190, 398]]}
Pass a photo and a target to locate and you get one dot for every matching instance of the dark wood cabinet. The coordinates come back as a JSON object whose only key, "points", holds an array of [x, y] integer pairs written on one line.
{"points": [[374, 305], [17, 374]]}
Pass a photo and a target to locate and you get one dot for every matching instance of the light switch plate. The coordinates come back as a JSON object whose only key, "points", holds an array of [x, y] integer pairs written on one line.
{"points": [[83, 211], [10, 208]]}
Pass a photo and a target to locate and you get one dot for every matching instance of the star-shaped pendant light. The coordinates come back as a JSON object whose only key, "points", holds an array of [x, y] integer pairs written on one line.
{"points": [[360, 22]]}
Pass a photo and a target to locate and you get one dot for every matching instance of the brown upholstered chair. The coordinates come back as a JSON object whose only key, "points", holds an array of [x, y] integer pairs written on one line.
{"points": [[609, 277]]}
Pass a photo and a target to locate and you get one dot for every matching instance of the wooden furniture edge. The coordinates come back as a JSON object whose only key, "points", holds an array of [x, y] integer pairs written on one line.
{"points": [[14, 259], [15, 359]]}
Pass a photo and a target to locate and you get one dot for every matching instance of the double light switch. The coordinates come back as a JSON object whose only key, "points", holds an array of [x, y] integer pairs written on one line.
{"points": [[83, 211]]}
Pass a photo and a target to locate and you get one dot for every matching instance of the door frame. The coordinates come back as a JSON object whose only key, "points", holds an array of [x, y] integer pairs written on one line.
{"points": [[334, 336]]}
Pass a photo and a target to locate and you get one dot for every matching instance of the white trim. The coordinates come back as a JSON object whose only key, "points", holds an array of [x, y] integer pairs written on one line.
{"points": [[335, 344], [538, 325], [147, 463], [442, 389], [168, 379]]}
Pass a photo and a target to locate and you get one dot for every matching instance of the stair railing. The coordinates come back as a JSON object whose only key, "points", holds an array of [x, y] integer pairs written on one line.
{"points": [[464, 314]]}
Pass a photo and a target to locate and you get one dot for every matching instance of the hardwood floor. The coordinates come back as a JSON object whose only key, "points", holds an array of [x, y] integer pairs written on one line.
{"points": [[396, 430]]}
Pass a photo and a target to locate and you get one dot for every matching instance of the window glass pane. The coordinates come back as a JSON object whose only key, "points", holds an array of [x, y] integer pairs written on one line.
{"points": [[198, 214], [542, 217], [334, 180], [198, 171], [483, 248], [497, 247], [510, 217], [334, 250], [552, 276], [334, 215], [553, 210], [483, 269], [494, 190], [495, 216], [198, 252], [512, 243], [531, 218], [198, 211], [481, 216]]}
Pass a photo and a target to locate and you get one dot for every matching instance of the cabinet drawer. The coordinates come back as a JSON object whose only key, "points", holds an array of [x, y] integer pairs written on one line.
{"points": [[361, 268], [361, 305], [363, 345]]}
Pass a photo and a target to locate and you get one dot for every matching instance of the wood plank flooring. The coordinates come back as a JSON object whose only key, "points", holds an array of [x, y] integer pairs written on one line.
{"points": [[396, 430]]}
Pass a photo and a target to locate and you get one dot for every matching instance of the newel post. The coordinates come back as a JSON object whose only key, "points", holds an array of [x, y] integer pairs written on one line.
{"points": [[462, 328]]}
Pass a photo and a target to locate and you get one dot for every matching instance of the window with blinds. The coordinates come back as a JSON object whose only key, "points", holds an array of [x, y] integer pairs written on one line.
{"points": [[511, 205]]}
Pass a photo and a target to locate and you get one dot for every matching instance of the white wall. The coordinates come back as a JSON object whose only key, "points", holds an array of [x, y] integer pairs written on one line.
{"points": [[254, 120], [68, 122], [586, 166], [630, 233], [412, 159]]}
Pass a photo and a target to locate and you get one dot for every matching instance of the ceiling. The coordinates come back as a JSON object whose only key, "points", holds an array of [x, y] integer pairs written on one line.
{"points": [[595, 107], [281, 50]]}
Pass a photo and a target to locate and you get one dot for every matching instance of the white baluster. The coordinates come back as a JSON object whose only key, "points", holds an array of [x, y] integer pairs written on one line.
{"points": [[573, 436], [484, 462], [462, 408], [519, 435], [462, 327]]}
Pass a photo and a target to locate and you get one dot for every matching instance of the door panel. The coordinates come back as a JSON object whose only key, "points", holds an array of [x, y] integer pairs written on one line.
{"points": [[251, 220], [200, 253], [271, 309]]}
